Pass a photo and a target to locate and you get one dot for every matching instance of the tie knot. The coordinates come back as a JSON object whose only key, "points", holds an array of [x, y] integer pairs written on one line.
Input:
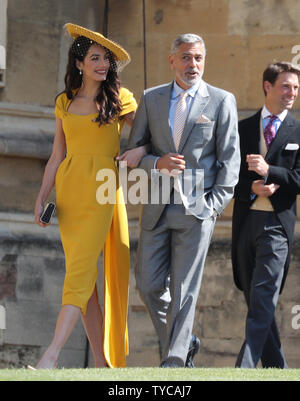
{"points": [[183, 95], [272, 117]]}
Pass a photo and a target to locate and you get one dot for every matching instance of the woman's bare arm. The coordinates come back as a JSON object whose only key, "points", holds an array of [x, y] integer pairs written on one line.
{"points": [[133, 156], [57, 156]]}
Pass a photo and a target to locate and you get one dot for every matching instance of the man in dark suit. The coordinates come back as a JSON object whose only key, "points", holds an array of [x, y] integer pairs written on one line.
{"points": [[264, 213]]}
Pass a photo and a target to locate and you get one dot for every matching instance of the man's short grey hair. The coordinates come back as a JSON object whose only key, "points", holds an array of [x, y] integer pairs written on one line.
{"points": [[187, 38]]}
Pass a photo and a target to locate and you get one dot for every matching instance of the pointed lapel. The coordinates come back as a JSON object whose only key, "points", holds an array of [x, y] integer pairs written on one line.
{"points": [[200, 101], [285, 130], [163, 106], [253, 137]]}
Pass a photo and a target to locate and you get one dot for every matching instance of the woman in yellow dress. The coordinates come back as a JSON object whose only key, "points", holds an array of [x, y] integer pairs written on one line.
{"points": [[90, 114]]}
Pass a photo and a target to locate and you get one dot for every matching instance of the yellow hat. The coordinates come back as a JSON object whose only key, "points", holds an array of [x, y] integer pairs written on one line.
{"points": [[122, 57]]}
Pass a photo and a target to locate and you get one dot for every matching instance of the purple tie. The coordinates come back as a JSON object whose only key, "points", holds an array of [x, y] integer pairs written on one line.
{"points": [[269, 131]]}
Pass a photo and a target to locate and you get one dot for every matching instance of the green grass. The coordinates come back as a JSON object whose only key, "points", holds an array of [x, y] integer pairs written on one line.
{"points": [[151, 374]]}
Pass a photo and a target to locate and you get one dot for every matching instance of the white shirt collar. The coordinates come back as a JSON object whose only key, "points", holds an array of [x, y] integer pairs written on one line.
{"points": [[265, 113], [191, 91]]}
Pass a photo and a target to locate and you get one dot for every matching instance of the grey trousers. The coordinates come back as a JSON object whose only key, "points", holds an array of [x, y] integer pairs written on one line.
{"points": [[169, 271], [262, 253]]}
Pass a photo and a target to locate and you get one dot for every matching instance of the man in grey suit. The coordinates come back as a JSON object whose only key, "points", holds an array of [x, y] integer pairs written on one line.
{"points": [[175, 236]]}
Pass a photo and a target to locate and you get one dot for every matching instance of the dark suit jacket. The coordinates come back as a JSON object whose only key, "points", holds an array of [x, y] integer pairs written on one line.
{"points": [[284, 171]]}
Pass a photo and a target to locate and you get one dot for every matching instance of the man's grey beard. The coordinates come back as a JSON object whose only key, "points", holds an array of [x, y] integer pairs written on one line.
{"points": [[191, 82]]}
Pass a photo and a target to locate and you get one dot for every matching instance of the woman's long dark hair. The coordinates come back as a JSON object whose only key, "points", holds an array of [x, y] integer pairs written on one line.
{"points": [[107, 99]]}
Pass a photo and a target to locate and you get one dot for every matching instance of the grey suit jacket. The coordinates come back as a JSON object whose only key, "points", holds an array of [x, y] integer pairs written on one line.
{"points": [[212, 146]]}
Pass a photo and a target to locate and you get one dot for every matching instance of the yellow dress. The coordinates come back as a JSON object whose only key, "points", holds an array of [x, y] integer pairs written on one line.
{"points": [[87, 227]]}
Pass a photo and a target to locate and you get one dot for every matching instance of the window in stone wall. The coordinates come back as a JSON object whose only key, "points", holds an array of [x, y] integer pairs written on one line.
{"points": [[3, 30]]}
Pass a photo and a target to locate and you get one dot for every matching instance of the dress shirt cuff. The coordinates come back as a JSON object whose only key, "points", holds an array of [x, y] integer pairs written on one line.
{"points": [[155, 163]]}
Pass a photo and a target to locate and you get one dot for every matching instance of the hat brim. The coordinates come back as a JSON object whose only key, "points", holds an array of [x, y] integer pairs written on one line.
{"points": [[120, 53]]}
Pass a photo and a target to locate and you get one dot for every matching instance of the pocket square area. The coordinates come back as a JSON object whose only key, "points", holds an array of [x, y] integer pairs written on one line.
{"points": [[203, 119], [292, 146]]}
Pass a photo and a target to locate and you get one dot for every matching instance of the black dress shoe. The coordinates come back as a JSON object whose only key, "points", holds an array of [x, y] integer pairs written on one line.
{"points": [[169, 365], [193, 350]]}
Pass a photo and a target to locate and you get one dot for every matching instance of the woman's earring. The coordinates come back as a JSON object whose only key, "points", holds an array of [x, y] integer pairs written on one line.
{"points": [[80, 72]]}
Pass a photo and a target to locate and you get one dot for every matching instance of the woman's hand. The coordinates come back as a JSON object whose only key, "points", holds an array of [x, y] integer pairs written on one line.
{"points": [[133, 156]]}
